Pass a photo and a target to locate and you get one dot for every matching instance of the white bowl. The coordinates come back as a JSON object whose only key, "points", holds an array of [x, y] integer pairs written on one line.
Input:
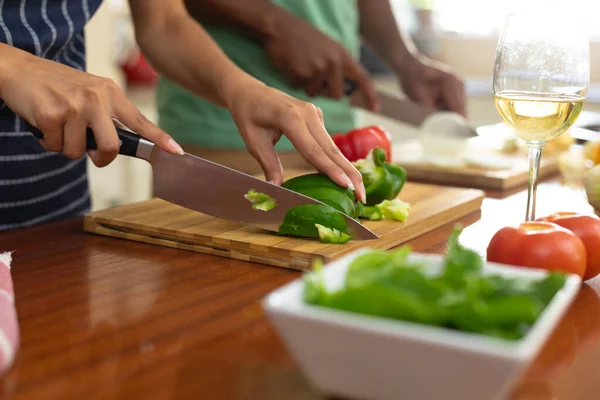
{"points": [[358, 356]]}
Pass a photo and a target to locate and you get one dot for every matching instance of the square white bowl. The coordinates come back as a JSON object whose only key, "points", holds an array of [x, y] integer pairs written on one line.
{"points": [[358, 356]]}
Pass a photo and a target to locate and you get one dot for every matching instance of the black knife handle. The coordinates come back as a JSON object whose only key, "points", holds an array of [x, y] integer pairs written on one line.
{"points": [[349, 86], [129, 140]]}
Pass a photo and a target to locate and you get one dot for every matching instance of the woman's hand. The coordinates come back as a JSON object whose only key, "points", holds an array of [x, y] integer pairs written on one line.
{"points": [[63, 102], [263, 114]]}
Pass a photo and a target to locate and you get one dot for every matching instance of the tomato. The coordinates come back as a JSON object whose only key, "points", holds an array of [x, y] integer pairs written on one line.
{"points": [[358, 143], [539, 245], [587, 228]]}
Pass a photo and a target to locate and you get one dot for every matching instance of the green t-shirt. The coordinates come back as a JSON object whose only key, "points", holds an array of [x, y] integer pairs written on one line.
{"points": [[192, 120]]}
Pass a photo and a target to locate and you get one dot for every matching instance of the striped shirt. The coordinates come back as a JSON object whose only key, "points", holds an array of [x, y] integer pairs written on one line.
{"points": [[37, 186]]}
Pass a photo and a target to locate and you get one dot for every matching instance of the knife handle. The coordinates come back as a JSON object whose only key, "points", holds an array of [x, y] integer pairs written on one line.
{"points": [[129, 140], [349, 86]]}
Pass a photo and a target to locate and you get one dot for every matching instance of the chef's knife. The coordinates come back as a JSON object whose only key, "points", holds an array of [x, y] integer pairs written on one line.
{"points": [[204, 186], [406, 111]]}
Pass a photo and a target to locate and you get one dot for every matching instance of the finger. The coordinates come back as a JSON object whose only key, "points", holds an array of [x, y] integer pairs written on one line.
{"points": [[316, 126], [53, 138], [356, 72], [453, 95], [462, 97], [75, 138], [317, 85], [129, 115], [263, 150], [107, 140], [295, 128], [335, 81]]}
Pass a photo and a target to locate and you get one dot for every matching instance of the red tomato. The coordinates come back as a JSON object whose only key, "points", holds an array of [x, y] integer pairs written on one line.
{"points": [[539, 245], [358, 143], [587, 228]]}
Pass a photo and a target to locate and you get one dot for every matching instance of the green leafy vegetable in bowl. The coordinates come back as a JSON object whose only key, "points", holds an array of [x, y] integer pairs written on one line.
{"points": [[388, 284]]}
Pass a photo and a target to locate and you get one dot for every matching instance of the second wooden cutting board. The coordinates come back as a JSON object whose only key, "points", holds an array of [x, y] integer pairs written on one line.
{"points": [[161, 223]]}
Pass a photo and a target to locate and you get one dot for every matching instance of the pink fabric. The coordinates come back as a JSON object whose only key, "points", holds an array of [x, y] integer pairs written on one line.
{"points": [[9, 327]]}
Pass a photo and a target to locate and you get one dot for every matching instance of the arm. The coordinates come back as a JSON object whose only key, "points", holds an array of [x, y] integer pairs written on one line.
{"points": [[184, 52], [308, 58], [166, 33], [254, 18], [381, 32], [426, 81]]}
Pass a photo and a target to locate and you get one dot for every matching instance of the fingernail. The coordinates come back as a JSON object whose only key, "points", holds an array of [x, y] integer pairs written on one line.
{"points": [[175, 147], [363, 195], [348, 182]]}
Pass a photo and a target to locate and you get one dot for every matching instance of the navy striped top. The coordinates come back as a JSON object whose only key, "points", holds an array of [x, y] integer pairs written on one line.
{"points": [[37, 186]]}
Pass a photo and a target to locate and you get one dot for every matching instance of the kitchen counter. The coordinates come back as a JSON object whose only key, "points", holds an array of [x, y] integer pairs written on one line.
{"points": [[102, 318]]}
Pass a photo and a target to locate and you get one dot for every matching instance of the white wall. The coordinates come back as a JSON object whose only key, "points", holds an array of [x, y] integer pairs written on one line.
{"points": [[125, 180]]}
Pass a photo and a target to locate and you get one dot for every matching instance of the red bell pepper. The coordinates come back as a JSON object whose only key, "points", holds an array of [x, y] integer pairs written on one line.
{"points": [[358, 143]]}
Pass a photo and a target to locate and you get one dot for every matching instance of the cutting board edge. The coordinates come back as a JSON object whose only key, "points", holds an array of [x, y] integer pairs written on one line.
{"points": [[95, 223], [425, 173], [95, 226]]}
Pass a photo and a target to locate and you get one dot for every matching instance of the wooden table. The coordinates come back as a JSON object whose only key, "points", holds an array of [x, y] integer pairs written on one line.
{"points": [[107, 319]]}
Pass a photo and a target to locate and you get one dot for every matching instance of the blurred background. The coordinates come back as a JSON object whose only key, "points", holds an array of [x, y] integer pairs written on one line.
{"points": [[461, 33]]}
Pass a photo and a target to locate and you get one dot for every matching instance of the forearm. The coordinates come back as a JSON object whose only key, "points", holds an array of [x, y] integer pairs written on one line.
{"points": [[182, 51], [254, 18], [381, 32], [10, 58]]}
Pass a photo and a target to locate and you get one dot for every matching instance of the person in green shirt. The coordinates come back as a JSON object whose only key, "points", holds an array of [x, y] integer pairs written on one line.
{"points": [[305, 48]]}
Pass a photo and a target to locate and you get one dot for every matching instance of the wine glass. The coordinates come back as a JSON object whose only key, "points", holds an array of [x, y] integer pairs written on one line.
{"points": [[541, 77]]}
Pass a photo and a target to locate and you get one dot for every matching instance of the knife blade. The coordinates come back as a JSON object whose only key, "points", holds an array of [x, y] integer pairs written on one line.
{"points": [[413, 113], [213, 189]]}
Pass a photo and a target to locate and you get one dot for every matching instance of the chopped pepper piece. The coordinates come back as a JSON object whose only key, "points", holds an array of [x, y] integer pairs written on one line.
{"points": [[382, 180], [394, 209], [320, 187], [301, 220], [260, 201], [332, 236], [368, 212]]}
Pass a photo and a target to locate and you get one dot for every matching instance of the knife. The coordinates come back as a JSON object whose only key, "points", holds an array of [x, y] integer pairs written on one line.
{"points": [[407, 111], [213, 189]]}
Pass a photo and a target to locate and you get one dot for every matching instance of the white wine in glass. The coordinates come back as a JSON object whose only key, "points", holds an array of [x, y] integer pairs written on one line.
{"points": [[541, 76]]}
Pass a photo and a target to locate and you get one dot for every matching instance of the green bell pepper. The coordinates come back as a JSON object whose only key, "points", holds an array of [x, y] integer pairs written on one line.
{"points": [[332, 236], [315, 220], [302, 220], [368, 212], [260, 201], [320, 187], [382, 180], [394, 209]]}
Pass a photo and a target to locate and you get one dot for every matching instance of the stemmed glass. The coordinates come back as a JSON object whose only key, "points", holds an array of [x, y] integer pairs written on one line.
{"points": [[541, 77]]}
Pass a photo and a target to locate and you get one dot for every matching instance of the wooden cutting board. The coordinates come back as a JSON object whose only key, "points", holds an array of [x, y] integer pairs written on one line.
{"points": [[502, 180], [419, 170], [161, 223]]}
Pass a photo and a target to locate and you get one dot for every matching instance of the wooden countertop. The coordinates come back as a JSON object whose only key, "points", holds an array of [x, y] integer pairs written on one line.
{"points": [[108, 319]]}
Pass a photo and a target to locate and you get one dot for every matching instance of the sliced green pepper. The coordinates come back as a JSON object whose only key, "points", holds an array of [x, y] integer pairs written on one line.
{"points": [[260, 201], [320, 187], [332, 236], [368, 212], [301, 220], [394, 209], [304, 220], [382, 180]]}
